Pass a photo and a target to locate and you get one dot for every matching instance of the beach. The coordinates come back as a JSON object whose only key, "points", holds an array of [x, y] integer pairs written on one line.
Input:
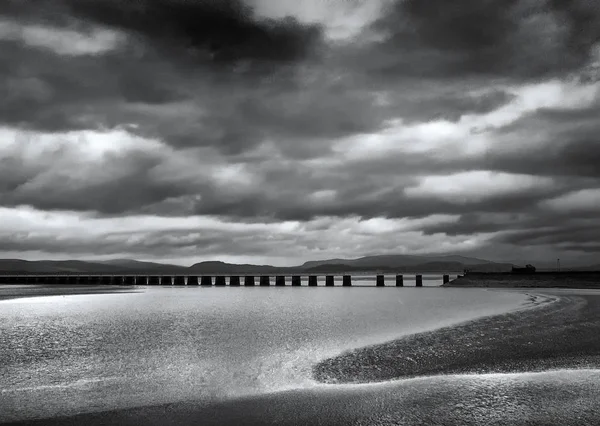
{"points": [[22, 291], [535, 365]]}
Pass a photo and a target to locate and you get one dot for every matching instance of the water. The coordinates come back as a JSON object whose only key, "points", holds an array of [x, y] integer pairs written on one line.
{"points": [[62, 355]]}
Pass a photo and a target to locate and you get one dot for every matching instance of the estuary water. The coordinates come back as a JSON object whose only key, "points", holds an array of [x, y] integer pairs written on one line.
{"points": [[63, 355]]}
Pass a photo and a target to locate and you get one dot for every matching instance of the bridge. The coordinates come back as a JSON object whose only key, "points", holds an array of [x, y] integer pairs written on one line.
{"points": [[193, 280]]}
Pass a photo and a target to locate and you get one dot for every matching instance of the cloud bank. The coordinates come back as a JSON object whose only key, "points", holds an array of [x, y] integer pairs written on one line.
{"points": [[279, 132]]}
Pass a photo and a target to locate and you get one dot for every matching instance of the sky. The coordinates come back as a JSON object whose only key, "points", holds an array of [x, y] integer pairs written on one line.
{"points": [[277, 132]]}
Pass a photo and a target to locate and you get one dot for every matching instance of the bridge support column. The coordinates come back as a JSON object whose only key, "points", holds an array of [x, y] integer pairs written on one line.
{"points": [[329, 281], [192, 280], [265, 280], [380, 281], [419, 280], [312, 280], [206, 280], [347, 281], [296, 281], [399, 281], [249, 281], [220, 280], [280, 281], [234, 281], [446, 279], [142, 280]]}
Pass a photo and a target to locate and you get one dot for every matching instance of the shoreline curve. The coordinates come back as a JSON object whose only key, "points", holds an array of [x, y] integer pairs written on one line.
{"points": [[550, 332]]}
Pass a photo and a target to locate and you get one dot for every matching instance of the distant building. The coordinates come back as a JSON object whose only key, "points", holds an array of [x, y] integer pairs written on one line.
{"points": [[528, 269]]}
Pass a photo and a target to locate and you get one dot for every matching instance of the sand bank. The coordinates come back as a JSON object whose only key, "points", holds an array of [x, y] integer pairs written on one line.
{"points": [[24, 291], [451, 375]]}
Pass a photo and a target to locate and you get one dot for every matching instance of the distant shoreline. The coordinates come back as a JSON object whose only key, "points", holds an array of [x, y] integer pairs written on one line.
{"points": [[9, 292], [572, 280], [555, 332]]}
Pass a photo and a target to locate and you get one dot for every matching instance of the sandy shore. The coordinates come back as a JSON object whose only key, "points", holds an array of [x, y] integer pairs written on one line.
{"points": [[561, 332], [23, 291], [448, 378], [559, 280]]}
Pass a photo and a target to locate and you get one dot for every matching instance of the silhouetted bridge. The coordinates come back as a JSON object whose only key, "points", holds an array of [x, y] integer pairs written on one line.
{"points": [[193, 280]]}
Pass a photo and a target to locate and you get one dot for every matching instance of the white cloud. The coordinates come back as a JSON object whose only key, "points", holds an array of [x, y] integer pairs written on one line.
{"points": [[288, 242], [342, 20], [475, 186], [470, 136], [586, 200], [62, 41]]}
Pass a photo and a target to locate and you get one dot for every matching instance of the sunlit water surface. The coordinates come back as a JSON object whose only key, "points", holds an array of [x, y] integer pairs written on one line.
{"points": [[69, 354]]}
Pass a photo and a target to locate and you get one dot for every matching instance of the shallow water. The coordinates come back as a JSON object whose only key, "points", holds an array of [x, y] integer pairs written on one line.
{"points": [[62, 355]]}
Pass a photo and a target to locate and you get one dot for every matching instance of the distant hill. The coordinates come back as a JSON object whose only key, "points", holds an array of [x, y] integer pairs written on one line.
{"points": [[222, 267], [57, 266], [437, 266], [130, 264], [402, 261], [386, 263]]}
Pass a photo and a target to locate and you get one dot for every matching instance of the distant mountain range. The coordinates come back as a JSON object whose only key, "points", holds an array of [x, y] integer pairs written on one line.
{"points": [[387, 263]]}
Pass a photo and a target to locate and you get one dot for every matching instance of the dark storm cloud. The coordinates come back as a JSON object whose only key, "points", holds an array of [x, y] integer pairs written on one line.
{"points": [[520, 39], [212, 83], [570, 144], [226, 30], [151, 243], [220, 32], [117, 185]]}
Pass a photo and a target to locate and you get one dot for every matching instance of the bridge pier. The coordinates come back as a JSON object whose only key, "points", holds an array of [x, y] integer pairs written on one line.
{"points": [[399, 281], [249, 281], [380, 281], [280, 281], [179, 280], [166, 280], [192, 280], [347, 281], [419, 280], [329, 281], [446, 279], [142, 280], [265, 280], [234, 281], [296, 281], [312, 280], [220, 281], [206, 280]]}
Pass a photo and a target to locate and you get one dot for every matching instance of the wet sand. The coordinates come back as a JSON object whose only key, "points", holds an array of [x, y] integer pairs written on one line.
{"points": [[560, 332], [449, 377], [28, 290]]}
